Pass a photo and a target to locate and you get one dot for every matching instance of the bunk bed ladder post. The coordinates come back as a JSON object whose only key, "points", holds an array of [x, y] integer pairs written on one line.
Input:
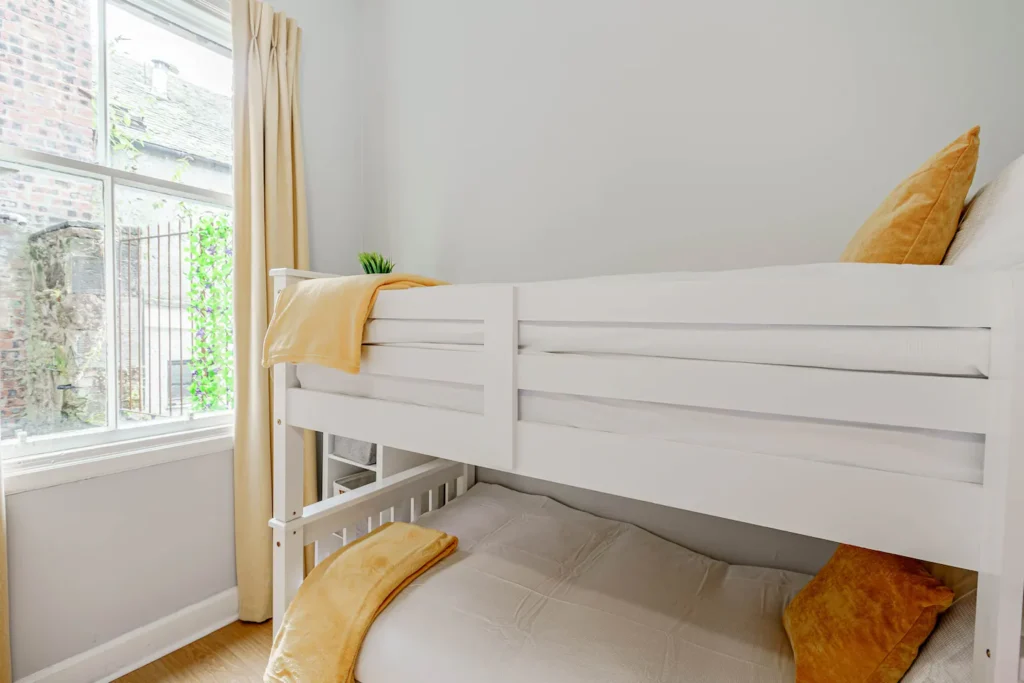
{"points": [[1001, 571], [501, 392], [468, 478], [288, 485]]}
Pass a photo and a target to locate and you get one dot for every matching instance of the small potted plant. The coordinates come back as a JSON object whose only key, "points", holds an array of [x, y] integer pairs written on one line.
{"points": [[374, 263]]}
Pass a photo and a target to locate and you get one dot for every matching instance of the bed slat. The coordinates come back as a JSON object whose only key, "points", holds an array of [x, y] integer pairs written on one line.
{"points": [[433, 303], [431, 431], [945, 403], [442, 365]]}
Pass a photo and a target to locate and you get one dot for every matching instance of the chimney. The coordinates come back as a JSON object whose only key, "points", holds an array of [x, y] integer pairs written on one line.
{"points": [[159, 74]]}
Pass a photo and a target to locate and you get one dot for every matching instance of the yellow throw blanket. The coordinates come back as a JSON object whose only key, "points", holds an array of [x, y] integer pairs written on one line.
{"points": [[325, 625], [321, 321]]}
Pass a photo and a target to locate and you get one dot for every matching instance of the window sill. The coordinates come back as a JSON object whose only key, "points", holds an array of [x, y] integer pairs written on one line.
{"points": [[38, 472]]}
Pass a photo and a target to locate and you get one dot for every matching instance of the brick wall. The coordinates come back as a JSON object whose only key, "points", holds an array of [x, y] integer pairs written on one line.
{"points": [[14, 287], [46, 77], [46, 86]]}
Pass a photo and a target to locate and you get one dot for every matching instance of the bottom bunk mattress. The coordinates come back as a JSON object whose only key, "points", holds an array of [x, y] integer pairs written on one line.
{"points": [[543, 593], [926, 453]]}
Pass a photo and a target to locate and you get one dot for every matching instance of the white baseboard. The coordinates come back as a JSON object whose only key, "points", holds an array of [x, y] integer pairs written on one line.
{"points": [[137, 648]]}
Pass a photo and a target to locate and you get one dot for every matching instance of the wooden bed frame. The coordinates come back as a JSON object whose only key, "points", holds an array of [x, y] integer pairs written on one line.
{"points": [[974, 526]]}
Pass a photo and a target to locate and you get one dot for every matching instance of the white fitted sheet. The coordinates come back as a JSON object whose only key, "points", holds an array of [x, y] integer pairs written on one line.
{"points": [[948, 654], [543, 593], [945, 455]]}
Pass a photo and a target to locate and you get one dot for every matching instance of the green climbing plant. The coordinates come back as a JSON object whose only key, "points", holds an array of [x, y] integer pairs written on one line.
{"points": [[209, 309], [124, 138]]}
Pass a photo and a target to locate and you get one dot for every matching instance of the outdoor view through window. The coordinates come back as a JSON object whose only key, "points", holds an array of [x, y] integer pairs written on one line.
{"points": [[115, 221]]}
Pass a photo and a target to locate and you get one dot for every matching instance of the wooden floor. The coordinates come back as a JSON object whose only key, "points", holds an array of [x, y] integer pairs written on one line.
{"points": [[235, 654]]}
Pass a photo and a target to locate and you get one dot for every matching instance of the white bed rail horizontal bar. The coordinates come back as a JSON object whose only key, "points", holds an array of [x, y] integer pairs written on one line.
{"points": [[945, 403], [433, 303], [431, 431], [299, 274], [441, 365], [931, 519], [320, 520]]}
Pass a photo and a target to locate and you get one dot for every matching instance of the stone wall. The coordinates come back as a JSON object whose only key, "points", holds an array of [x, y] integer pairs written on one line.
{"points": [[66, 330], [29, 202]]}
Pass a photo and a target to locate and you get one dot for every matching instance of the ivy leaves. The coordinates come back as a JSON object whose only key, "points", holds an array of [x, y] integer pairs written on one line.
{"points": [[210, 261]]}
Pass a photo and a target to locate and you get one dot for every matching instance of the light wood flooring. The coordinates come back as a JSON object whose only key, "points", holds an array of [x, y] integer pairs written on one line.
{"points": [[236, 653]]}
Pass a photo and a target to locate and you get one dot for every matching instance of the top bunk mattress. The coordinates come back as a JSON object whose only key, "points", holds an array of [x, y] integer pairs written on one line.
{"points": [[540, 592]]}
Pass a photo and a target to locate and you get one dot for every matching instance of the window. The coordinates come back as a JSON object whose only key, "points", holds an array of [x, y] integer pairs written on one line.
{"points": [[170, 103], [179, 381], [115, 221]]}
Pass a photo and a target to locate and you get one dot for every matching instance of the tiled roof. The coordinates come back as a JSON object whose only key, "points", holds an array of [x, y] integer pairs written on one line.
{"points": [[190, 119]]}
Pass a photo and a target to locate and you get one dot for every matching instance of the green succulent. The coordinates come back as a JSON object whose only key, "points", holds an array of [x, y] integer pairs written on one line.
{"points": [[373, 262]]}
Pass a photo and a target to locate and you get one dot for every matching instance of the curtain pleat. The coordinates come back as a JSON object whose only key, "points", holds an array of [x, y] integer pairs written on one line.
{"points": [[270, 232]]}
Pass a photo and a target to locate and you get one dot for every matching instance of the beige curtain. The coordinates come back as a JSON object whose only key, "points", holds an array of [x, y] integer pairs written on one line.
{"points": [[270, 232], [5, 624]]}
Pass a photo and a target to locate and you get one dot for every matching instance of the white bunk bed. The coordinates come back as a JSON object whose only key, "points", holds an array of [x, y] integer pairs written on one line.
{"points": [[867, 404]]}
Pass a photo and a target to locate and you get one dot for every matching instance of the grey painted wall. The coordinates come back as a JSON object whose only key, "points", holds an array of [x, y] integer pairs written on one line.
{"points": [[532, 139], [331, 116], [94, 559]]}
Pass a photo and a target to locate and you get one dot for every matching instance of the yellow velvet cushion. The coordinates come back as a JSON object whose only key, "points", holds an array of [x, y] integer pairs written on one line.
{"points": [[917, 221], [863, 617]]}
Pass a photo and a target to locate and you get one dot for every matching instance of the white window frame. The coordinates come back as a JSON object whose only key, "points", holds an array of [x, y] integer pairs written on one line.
{"points": [[30, 459]]}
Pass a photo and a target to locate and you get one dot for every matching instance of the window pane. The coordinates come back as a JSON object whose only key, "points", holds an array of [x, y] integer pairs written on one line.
{"points": [[48, 68], [170, 103], [176, 354], [52, 303]]}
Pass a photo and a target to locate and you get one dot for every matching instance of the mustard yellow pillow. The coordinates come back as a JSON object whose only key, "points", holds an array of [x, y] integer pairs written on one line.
{"points": [[863, 617], [960, 581], [917, 221]]}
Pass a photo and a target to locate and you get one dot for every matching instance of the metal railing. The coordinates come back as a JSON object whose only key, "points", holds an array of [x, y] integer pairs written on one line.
{"points": [[154, 331]]}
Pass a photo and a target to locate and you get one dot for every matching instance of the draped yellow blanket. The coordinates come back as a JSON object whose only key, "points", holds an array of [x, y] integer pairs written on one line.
{"points": [[321, 321], [325, 625]]}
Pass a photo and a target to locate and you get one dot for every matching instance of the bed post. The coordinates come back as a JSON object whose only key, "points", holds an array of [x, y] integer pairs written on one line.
{"points": [[1001, 572], [500, 358], [468, 479], [288, 484]]}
